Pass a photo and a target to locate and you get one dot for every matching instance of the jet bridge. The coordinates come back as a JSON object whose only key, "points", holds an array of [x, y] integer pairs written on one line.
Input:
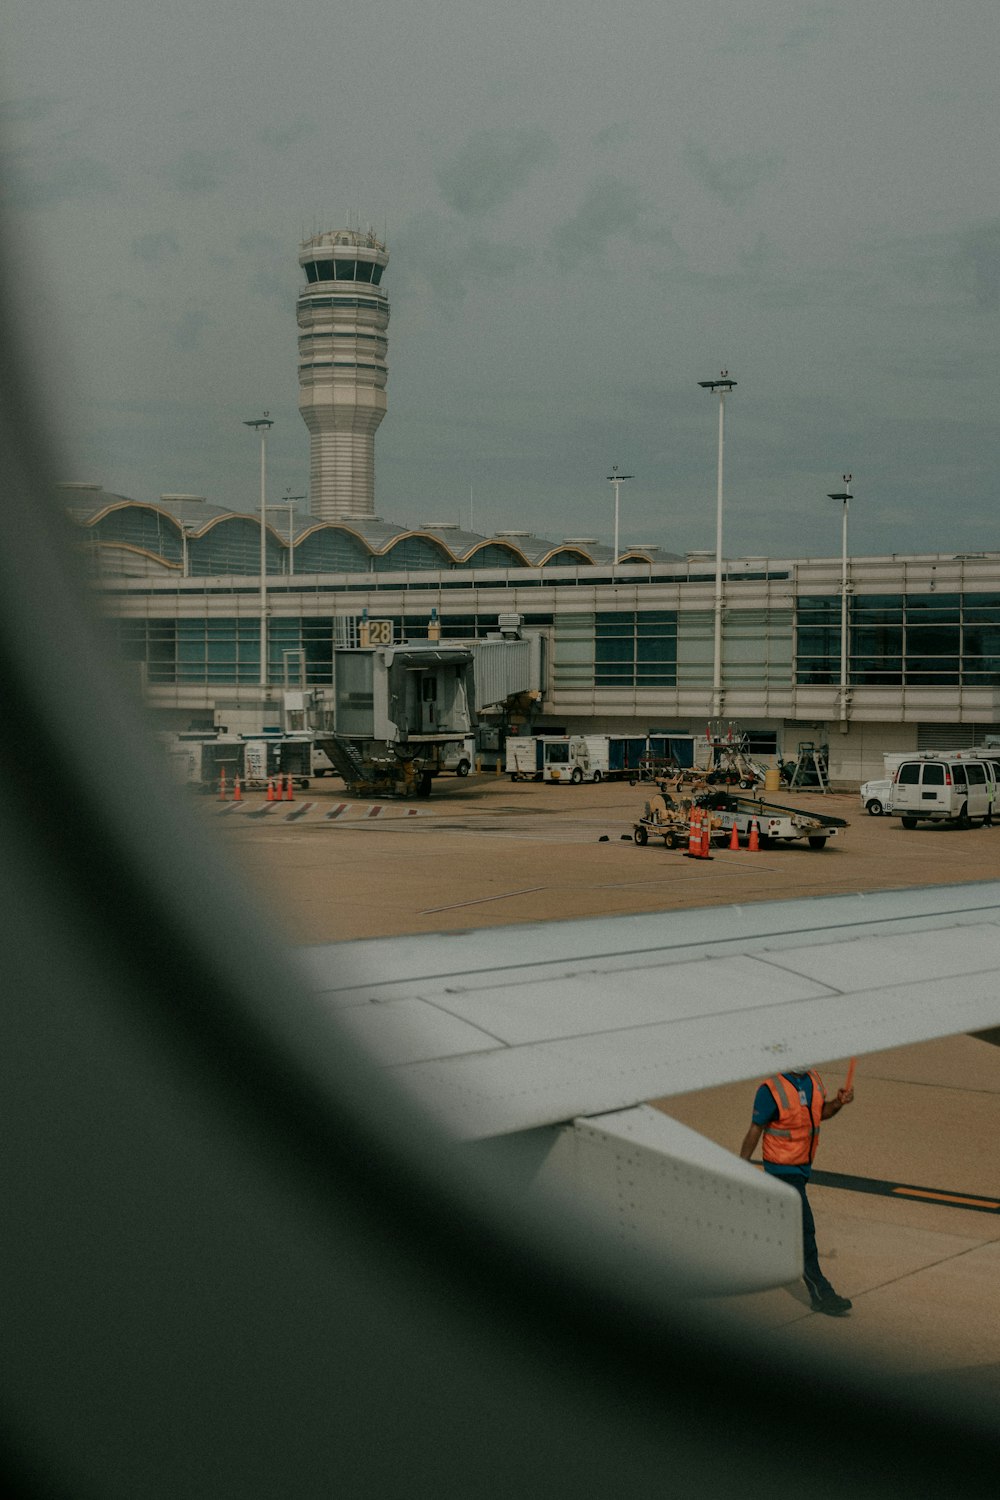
{"points": [[394, 707]]}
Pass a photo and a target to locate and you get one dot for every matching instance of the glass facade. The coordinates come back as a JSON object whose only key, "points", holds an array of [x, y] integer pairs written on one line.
{"points": [[901, 639], [141, 526], [233, 546], [329, 550], [343, 270], [300, 651], [193, 651], [620, 648], [301, 648], [635, 648]]}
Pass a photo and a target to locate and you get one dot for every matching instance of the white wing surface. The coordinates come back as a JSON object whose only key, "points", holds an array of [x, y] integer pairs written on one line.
{"points": [[552, 1036], [508, 1029]]}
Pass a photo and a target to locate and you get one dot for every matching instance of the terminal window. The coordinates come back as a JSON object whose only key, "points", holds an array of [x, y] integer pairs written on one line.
{"points": [[896, 639], [635, 648]]}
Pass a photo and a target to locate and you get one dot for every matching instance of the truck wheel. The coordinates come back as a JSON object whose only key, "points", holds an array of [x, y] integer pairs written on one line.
{"points": [[670, 841], [909, 822], [640, 835], [463, 768], [874, 807], [597, 777], [304, 784], [514, 776], [577, 776], [817, 841]]}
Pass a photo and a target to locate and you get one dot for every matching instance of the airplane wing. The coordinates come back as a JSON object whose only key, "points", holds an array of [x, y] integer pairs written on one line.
{"points": [[573, 1025]]}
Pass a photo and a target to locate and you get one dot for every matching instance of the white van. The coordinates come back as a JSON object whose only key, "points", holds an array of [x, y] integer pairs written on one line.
{"points": [[458, 756], [937, 789]]}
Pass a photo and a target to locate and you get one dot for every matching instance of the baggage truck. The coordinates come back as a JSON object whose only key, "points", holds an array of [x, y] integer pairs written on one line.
{"points": [[574, 758], [593, 757], [776, 824]]}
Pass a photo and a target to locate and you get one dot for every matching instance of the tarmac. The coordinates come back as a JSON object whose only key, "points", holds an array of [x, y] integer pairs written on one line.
{"points": [[907, 1191]]}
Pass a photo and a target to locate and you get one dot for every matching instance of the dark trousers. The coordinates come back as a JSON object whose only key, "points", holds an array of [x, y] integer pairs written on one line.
{"points": [[813, 1277]]}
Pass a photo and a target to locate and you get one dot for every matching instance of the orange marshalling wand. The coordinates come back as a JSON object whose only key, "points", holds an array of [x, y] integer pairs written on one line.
{"points": [[850, 1073]]}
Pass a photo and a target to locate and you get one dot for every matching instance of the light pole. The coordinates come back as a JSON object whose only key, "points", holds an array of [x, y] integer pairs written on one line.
{"points": [[616, 480], [845, 497], [723, 385], [261, 425], [289, 504]]}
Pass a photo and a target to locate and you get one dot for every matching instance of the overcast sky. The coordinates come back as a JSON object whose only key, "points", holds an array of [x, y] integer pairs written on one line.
{"points": [[589, 208]]}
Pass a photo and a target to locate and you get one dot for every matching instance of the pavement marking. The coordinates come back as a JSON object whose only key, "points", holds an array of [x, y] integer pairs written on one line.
{"points": [[882, 1189], [311, 812], [503, 896], [299, 812]]}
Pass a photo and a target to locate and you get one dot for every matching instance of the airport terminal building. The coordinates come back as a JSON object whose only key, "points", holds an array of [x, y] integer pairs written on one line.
{"points": [[625, 649], [197, 595]]}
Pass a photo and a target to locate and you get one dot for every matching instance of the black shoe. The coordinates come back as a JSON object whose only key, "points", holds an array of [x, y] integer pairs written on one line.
{"points": [[834, 1306]]}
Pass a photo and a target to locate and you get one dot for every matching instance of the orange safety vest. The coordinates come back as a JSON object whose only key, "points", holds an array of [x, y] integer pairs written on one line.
{"points": [[791, 1139]]}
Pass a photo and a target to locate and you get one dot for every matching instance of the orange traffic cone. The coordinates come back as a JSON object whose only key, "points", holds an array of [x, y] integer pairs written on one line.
{"points": [[289, 794], [237, 789], [734, 838], [700, 837], [270, 789], [754, 841]]}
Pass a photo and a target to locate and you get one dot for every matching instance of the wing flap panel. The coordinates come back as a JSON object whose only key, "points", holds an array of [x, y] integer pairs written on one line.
{"points": [[723, 1226]]}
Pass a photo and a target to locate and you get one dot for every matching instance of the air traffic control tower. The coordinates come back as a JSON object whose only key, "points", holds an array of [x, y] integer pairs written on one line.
{"points": [[343, 315]]}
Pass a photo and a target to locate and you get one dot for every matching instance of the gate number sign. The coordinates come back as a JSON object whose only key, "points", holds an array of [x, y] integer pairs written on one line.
{"points": [[375, 633]]}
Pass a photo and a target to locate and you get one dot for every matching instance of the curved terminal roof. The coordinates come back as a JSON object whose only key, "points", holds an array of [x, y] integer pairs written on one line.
{"points": [[187, 533]]}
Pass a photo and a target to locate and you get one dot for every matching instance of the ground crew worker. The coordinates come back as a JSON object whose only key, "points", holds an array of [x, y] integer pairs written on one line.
{"points": [[787, 1111]]}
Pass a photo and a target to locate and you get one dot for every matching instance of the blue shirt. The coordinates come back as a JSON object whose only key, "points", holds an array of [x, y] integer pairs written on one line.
{"points": [[765, 1110]]}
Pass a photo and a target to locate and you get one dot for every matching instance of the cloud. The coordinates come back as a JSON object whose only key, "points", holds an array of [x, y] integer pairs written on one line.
{"points": [[40, 180], [196, 172], [979, 261], [188, 329], [495, 258], [610, 207], [27, 110], [155, 247], [283, 137], [613, 136], [732, 178], [491, 167], [746, 38], [444, 267]]}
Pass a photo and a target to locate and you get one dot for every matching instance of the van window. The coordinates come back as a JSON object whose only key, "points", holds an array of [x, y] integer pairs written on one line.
{"points": [[909, 774], [976, 774], [958, 775], [933, 775]]}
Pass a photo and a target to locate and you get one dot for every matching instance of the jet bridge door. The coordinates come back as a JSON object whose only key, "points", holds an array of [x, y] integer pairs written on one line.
{"points": [[429, 695], [428, 702]]}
